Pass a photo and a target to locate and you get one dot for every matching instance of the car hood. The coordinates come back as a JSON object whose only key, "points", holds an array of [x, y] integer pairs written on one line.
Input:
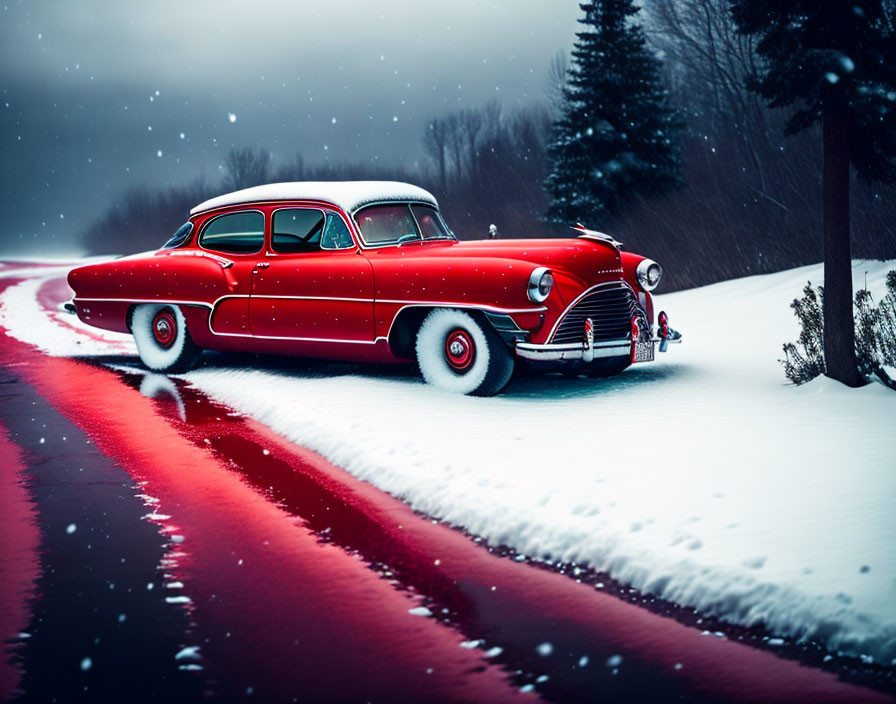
{"points": [[586, 259]]}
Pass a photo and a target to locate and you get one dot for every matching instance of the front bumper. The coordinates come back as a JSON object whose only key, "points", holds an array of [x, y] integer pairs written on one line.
{"points": [[575, 350], [585, 351]]}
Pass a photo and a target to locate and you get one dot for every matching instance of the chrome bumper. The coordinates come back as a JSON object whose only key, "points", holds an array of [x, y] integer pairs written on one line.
{"points": [[574, 350], [582, 350]]}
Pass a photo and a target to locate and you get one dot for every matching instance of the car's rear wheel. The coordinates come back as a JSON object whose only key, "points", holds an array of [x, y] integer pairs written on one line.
{"points": [[163, 341], [458, 354]]}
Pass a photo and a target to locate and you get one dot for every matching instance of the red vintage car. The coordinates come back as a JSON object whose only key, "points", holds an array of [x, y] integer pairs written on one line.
{"points": [[369, 271]]}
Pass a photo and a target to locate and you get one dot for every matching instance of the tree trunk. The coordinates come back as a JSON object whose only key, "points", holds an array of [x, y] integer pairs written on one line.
{"points": [[839, 327]]}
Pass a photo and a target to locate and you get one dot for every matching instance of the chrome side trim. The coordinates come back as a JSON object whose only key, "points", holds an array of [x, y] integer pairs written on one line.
{"points": [[297, 298], [169, 301], [223, 261], [291, 339], [404, 303], [213, 306], [449, 304], [467, 306]]}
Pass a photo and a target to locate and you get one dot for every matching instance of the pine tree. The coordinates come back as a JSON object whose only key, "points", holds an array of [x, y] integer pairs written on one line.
{"points": [[833, 61], [614, 140]]}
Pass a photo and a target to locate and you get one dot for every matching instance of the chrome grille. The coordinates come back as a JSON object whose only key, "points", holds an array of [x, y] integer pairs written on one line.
{"points": [[610, 308]]}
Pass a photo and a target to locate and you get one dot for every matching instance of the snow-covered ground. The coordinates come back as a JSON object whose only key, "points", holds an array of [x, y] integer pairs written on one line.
{"points": [[704, 478]]}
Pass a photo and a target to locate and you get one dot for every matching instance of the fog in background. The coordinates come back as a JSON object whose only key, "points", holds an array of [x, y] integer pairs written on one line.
{"points": [[101, 96]]}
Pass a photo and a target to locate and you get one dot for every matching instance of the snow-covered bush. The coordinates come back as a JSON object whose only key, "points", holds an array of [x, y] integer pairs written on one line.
{"points": [[875, 335], [804, 360]]}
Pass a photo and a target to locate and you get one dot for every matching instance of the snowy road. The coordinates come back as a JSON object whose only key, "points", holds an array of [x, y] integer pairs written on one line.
{"points": [[702, 479]]}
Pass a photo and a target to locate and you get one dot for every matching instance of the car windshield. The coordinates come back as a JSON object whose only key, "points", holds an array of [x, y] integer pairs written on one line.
{"points": [[399, 223], [180, 237]]}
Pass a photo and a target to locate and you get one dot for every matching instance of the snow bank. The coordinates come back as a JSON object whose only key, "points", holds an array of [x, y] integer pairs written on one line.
{"points": [[702, 478]]}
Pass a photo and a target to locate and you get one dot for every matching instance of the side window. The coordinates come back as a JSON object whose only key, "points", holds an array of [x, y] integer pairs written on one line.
{"points": [[431, 224], [179, 238], [234, 233], [336, 234], [297, 230]]}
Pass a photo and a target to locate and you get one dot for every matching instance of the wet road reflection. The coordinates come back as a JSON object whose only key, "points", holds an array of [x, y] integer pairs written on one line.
{"points": [[20, 565], [89, 622], [275, 612]]}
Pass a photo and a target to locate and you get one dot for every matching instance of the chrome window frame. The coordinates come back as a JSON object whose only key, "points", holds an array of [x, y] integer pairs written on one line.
{"points": [[271, 252], [395, 243], [348, 229], [219, 252], [270, 243], [188, 239], [441, 220]]}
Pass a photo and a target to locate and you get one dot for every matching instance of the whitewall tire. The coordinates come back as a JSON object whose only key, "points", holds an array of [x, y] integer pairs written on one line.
{"points": [[164, 344], [457, 353]]}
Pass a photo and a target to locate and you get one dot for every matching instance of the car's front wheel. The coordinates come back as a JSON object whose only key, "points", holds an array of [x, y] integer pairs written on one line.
{"points": [[163, 342], [457, 353]]}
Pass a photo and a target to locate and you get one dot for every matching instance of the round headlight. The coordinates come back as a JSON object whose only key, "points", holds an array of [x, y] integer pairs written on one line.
{"points": [[541, 280], [649, 274]]}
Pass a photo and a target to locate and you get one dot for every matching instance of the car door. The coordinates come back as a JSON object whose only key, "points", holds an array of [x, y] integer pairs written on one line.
{"points": [[312, 283], [238, 238]]}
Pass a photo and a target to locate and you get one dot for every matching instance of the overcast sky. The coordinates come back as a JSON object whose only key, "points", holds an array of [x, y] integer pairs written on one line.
{"points": [[97, 96]]}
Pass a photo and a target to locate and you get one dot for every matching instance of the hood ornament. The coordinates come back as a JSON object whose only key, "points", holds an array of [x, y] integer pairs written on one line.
{"points": [[595, 235]]}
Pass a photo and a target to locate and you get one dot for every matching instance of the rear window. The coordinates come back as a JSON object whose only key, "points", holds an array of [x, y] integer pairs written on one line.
{"points": [[234, 233], [179, 238]]}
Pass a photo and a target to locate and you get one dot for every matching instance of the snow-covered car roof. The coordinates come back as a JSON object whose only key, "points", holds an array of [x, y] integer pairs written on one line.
{"points": [[348, 195]]}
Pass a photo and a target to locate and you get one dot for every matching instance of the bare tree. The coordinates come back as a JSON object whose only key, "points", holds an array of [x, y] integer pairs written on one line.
{"points": [[291, 171], [246, 166], [455, 140], [435, 145], [470, 123]]}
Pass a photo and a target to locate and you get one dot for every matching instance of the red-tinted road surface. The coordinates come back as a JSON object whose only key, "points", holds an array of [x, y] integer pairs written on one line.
{"points": [[20, 563]]}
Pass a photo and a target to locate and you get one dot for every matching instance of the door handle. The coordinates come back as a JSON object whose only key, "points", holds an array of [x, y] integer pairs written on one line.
{"points": [[262, 265]]}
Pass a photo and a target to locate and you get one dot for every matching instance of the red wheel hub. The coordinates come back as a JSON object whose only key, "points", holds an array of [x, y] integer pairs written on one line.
{"points": [[460, 350], [164, 328]]}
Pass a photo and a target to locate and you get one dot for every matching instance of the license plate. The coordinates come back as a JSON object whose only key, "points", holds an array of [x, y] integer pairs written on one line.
{"points": [[642, 352]]}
